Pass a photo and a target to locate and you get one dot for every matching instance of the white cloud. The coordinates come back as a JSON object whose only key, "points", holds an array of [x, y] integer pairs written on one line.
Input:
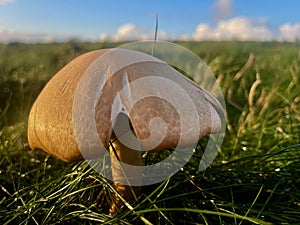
{"points": [[289, 32], [130, 31], [240, 28], [104, 37], [223, 9], [4, 2]]}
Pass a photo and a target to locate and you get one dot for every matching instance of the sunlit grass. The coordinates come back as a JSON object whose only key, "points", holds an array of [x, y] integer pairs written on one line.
{"points": [[254, 180]]}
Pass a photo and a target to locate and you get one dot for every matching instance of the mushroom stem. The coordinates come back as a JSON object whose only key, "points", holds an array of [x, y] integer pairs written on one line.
{"points": [[123, 175]]}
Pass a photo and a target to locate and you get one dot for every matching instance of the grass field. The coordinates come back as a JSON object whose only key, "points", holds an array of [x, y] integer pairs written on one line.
{"points": [[255, 179]]}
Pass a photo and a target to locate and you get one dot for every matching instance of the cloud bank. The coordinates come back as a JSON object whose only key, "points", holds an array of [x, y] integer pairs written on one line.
{"points": [[239, 28], [9, 35], [290, 32]]}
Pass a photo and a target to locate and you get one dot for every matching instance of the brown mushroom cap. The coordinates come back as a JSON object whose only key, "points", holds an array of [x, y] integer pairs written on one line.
{"points": [[50, 122]]}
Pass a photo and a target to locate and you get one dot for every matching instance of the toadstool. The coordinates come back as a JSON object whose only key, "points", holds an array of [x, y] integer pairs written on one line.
{"points": [[146, 101]]}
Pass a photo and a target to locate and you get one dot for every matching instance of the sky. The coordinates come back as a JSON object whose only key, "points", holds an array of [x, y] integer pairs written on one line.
{"points": [[112, 20]]}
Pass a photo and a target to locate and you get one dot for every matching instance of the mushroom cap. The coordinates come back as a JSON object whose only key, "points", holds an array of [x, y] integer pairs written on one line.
{"points": [[157, 100], [50, 119]]}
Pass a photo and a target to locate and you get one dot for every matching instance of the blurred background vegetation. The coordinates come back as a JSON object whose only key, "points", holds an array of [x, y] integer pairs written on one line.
{"points": [[255, 178]]}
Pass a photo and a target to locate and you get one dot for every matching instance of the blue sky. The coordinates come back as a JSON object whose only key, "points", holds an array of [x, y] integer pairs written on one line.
{"points": [[59, 20]]}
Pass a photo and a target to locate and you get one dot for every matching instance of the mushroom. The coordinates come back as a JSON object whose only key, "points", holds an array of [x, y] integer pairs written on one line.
{"points": [[137, 105]]}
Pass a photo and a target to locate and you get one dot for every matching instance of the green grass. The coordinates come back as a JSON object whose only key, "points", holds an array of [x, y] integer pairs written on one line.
{"points": [[254, 180]]}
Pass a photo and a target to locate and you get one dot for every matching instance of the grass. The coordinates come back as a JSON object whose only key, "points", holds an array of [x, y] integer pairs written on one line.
{"points": [[254, 180]]}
